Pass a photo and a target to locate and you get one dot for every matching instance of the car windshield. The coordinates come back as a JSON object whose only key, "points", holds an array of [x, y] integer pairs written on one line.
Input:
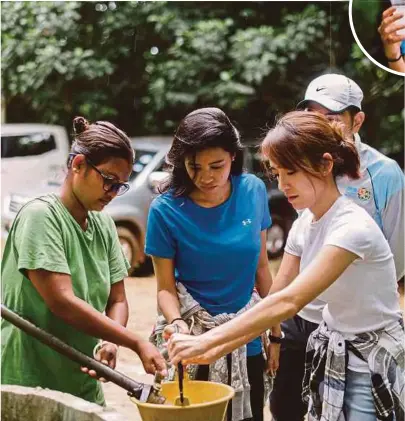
{"points": [[29, 144], [142, 159]]}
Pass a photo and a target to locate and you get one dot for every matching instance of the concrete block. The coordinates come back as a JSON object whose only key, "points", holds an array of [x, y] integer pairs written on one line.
{"points": [[20, 403]]}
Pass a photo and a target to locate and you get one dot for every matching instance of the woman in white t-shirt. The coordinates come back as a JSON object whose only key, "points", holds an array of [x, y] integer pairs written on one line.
{"points": [[335, 250]]}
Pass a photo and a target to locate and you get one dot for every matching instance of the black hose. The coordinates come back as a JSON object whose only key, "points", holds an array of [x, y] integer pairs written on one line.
{"points": [[134, 388]]}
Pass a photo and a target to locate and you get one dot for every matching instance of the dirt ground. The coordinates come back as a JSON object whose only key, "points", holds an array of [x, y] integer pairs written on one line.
{"points": [[141, 294]]}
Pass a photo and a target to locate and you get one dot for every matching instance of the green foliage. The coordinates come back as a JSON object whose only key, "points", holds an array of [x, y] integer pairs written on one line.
{"points": [[42, 56], [365, 20], [144, 65], [241, 69], [383, 102], [274, 52]]}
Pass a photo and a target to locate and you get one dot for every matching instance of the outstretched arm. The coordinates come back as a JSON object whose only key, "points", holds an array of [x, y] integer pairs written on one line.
{"points": [[57, 292], [288, 271], [167, 298], [329, 264]]}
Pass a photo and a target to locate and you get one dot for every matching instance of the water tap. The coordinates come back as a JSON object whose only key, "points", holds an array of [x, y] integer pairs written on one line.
{"points": [[156, 396]]}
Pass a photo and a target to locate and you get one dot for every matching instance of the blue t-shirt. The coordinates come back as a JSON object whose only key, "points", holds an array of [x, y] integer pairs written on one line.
{"points": [[403, 48], [215, 250]]}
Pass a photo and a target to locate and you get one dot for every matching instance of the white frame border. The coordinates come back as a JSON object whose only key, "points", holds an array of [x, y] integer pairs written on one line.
{"points": [[363, 49]]}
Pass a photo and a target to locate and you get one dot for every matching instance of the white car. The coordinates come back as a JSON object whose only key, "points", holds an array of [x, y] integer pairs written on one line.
{"points": [[31, 155], [129, 211]]}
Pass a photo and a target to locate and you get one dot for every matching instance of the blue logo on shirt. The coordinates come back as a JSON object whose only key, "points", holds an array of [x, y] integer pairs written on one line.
{"points": [[351, 191]]}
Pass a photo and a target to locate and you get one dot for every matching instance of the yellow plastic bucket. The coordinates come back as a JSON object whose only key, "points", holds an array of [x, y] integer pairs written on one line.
{"points": [[208, 402]]}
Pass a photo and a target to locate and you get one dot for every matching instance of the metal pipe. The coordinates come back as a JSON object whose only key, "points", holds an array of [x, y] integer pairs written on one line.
{"points": [[138, 390]]}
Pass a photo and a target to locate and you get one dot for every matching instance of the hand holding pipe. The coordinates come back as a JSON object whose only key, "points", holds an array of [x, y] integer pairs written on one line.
{"points": [[143, 392]]}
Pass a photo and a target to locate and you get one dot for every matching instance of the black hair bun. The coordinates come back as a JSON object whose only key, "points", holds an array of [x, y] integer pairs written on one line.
{"points": [[80, 124]]}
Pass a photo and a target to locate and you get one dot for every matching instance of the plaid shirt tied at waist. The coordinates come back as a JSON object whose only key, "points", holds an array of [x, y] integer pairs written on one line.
{"points": [[200, 321], [326, 361]]}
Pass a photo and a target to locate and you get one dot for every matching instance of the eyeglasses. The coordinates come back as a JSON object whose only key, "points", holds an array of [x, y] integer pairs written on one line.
{"points": [[109, 182], [110, 185]]}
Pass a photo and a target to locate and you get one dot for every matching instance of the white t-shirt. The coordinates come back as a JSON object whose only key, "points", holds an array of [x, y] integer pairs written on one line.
{"points": [[365, 297]]}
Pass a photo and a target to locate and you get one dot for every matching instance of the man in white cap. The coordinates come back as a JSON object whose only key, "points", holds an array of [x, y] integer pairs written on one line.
{"points": [[380, 191]]}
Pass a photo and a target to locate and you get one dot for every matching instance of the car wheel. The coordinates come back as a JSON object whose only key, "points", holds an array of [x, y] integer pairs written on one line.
{"points": [[276, 238], [130, 246], [145, 269]]}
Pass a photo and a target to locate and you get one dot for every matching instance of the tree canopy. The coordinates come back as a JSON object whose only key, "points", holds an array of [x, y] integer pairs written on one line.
{"points": [[145, 65]]}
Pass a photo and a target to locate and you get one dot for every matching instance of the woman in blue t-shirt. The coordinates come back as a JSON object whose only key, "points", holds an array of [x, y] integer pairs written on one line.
{"points": [[206, 234]]}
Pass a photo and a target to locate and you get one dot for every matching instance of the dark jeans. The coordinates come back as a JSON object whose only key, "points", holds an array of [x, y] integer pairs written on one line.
{"points": [[255, 368], [285, 399]]}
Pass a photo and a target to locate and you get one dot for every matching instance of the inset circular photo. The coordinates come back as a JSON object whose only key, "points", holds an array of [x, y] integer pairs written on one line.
{"points": [[378, 27]]}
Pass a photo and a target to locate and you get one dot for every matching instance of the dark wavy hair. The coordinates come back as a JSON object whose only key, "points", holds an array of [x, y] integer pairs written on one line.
{"points": [[99, 141], [300, 138], [201, 129]]}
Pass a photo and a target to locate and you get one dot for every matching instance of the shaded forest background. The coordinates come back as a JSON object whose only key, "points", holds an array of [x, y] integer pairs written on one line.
{"points": [[145, 65]]}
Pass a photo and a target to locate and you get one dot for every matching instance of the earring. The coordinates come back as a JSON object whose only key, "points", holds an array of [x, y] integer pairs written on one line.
{"points": [[75, 170]]}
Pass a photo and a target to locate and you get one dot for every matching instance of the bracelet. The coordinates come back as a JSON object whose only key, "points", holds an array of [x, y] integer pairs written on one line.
{"points": [[177, 318], [110, 343], [276, 339], [394, 60]]}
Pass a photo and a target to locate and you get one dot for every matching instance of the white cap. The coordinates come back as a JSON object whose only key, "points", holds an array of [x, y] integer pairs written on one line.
{"points": [[334, 92]]}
